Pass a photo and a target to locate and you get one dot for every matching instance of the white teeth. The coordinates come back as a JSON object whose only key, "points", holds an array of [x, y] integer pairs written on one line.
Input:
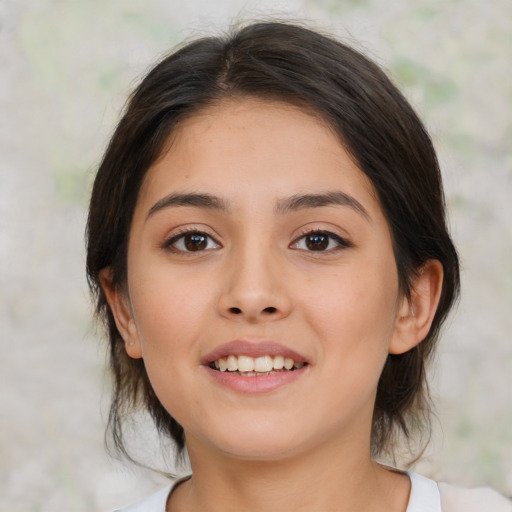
{"points": [[249, 366], [223, 365], [263, 364], [278, 363], [232, 363], [245, 364]]}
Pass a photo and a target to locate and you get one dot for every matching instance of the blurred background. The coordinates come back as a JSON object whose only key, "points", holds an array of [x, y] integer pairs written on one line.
{"points": [[66, 67]]}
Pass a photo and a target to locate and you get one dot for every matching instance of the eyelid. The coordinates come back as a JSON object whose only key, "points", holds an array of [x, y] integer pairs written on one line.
{"points": [[169, 242], [343, 243]]}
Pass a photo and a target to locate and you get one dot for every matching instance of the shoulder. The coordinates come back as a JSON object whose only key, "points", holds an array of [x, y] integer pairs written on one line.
{"points": [[480, 499], [154, 503], [430, 496]]}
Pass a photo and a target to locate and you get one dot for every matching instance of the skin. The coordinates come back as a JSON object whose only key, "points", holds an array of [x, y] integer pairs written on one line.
{"points": [[306, 444]]}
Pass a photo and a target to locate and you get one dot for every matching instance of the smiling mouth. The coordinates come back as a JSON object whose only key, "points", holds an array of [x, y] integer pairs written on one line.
{"points": [[247, 366]]}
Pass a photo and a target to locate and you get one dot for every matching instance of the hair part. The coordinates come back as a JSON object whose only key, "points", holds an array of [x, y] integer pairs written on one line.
{"points": [[291, 64]]}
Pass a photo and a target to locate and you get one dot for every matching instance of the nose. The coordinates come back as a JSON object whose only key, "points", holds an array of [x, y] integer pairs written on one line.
{"points": [[254, 288]]}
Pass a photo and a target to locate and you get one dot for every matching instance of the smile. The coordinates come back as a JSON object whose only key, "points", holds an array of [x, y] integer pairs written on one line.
{"points": [[255, 366]]}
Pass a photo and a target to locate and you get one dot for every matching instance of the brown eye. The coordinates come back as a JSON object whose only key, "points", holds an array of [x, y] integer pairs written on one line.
{"points": [[192, 241], [316, 242], [321, 241], [195, 242]]}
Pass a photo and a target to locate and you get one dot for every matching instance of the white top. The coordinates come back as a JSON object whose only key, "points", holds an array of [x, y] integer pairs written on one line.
{"points": [[426, 496]]}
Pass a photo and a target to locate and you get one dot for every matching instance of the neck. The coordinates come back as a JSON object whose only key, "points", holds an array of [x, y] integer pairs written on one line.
{"points": [[330, 479]]}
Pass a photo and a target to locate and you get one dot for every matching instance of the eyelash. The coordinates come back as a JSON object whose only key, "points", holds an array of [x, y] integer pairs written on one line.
{"points": [[170, 244], [341, 242]]}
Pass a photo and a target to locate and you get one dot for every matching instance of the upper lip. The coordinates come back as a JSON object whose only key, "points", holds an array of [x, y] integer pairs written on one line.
{"points": [[256, 348]]}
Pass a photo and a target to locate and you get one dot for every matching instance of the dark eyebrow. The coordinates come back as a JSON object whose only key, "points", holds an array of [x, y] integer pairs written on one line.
{"points": [[207, 201], [299, 201]]}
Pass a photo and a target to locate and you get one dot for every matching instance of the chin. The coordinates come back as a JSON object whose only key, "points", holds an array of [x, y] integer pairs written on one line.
{"points": [[260, 444]]}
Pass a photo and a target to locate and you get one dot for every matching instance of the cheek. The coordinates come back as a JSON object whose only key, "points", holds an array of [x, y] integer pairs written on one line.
{"points": [[171, 318], [354, 308], [170, 310], [353, 317]]}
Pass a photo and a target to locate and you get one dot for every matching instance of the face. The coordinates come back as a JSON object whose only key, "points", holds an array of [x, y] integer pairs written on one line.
{"points": [[256, 243]]}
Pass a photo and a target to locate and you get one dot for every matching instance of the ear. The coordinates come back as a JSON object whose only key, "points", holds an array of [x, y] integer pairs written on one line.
{"points": [[120, 306], [415, 314]]}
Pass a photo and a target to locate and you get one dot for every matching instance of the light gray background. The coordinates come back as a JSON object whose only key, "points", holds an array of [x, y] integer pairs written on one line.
{"points": [[65, 70]]}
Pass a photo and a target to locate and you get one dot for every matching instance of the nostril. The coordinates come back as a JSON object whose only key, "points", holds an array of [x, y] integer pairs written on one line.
{"points": [[236, 311], [270, 309]]}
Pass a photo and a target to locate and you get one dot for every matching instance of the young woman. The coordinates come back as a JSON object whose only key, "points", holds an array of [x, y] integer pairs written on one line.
{"points": [[268, 248]]}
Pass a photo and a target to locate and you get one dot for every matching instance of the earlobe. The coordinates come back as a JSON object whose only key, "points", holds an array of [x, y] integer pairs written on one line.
{"points": [[121, 309], [415, 314]]}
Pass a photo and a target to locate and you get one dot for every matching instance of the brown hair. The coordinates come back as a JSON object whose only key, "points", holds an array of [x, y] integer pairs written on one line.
{"points": [[375, 123]]}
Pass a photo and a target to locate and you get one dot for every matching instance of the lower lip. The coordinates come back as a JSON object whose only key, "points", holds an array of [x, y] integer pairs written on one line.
{"points": [[256, 384]]}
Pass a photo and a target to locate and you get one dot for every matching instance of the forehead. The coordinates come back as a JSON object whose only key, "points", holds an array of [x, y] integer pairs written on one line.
{"points": [[274, 148]]}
